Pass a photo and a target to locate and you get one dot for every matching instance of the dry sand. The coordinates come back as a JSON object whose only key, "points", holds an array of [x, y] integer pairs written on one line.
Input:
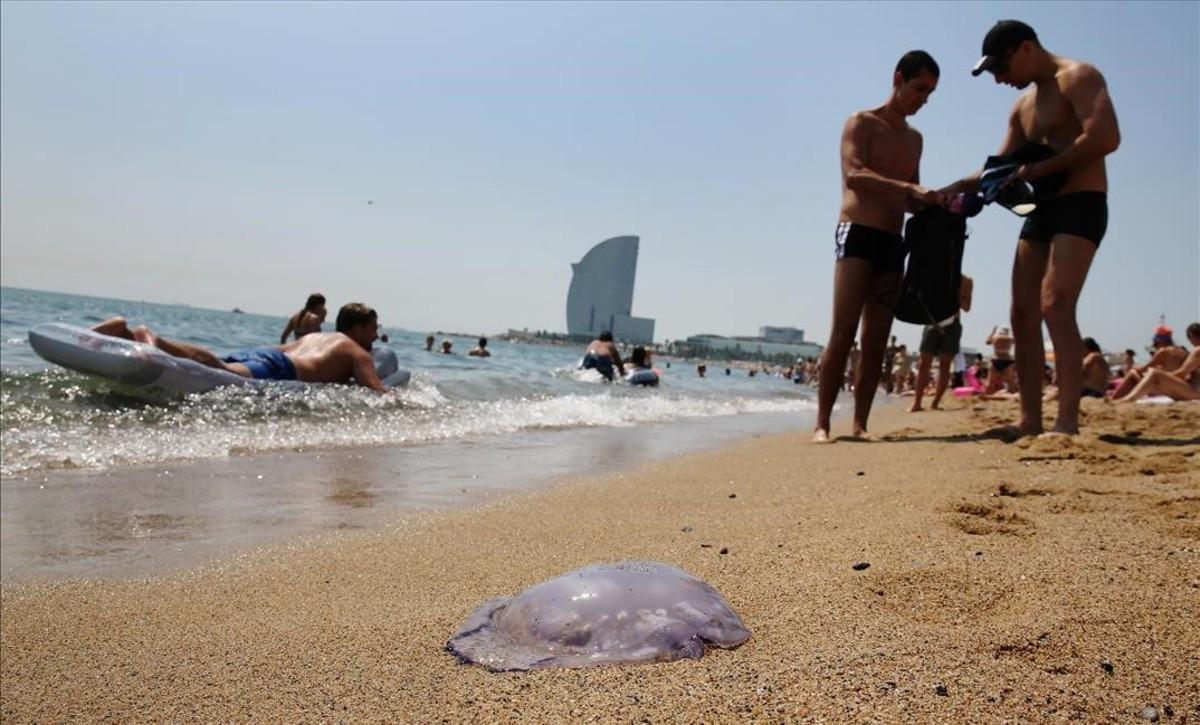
{"points": [[1007, 582]]}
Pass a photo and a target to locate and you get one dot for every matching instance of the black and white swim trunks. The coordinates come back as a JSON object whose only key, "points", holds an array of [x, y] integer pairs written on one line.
{"points": [[884, 250]]}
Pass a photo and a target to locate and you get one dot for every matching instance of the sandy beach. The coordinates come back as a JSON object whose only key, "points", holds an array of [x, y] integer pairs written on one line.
{"points": [[1007, 582]]}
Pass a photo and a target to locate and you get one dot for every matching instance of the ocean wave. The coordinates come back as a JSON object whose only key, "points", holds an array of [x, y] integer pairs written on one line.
{"points": [[55, 420]]}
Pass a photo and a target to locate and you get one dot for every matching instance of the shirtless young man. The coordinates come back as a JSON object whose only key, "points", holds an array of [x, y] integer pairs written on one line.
{"points": [[322, 357], [881, 156], [602, 356], [1068, 113]]}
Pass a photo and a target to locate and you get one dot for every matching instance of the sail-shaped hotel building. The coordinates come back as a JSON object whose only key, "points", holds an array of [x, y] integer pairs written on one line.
{"points": [[601, 293]]}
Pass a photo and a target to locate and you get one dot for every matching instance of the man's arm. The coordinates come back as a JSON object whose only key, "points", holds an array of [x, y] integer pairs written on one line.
{"points": [[856, 144], [1088, 95], [1014, 136], [364, 369], [965, 289], [287, 330], [616, 356]]}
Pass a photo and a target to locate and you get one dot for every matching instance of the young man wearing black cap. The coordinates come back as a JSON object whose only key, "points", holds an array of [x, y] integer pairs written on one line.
{"points": [[881, 156], [1061, 130]]}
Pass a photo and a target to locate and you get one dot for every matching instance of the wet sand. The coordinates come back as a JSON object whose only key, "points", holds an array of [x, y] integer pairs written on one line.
{"points": [[1007, 581]]}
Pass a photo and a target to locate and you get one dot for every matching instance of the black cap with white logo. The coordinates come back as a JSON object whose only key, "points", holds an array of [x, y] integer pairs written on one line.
{"points": [[1003, 37]]}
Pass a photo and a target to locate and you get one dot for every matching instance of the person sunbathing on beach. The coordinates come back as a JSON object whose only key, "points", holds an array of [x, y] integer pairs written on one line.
{"points": [[1095, 373], [322, 357], [307, 320], [881, 180], [1167, 356], [1182, 383]]}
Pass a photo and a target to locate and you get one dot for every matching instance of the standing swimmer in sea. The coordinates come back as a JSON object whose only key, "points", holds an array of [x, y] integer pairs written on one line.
{"points": [[307, 320]]}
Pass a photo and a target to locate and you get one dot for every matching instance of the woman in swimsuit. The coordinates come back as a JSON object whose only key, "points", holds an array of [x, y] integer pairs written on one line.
{"points": [[1002, 373], [307, 320]]}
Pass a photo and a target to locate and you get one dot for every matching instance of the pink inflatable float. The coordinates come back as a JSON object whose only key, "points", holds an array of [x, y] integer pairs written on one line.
{"points": [[973, 386]]}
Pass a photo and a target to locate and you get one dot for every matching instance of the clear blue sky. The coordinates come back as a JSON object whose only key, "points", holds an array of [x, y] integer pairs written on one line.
{"points": [[223, 154]]}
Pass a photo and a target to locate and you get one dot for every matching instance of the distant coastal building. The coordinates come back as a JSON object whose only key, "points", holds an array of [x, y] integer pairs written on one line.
{"points": [[771, 341], [601, 293], [768, 333]]}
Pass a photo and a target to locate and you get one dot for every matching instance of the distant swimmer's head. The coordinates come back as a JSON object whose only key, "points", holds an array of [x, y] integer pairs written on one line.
{"points": [[605, 336], [429, 342], [315, 304], [1193, 333], [638, 356], [446, 345], [483, 342], [358, 322], [1008, 53], [916, 77]]}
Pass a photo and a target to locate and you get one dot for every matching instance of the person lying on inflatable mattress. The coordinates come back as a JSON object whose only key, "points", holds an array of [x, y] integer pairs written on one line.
{"points": [[322, 357]]}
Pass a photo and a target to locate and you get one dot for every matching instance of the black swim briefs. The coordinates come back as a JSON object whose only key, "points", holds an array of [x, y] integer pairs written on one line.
{"points": [[1081, 214], [884, 250], [1000, 364]]}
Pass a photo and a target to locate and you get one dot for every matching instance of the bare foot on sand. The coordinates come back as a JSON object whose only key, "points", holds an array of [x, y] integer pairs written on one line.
{"points": [[1054, 434], [820, 435], [1012, 432], [916, 408], [860, 434]]}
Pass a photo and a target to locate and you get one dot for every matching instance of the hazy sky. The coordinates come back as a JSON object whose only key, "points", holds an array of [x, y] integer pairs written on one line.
{"points": [[224, 154]]}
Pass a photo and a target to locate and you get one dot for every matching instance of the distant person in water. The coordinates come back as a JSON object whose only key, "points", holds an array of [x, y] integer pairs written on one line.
{"points": [[480, 350], [446, 345], [322, 357], [640, 372], [429, 343], [602, 356], [307, 320]]}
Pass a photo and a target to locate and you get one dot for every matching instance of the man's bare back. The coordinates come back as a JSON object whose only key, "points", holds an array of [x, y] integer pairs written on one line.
{"points": [[325, 357]]}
